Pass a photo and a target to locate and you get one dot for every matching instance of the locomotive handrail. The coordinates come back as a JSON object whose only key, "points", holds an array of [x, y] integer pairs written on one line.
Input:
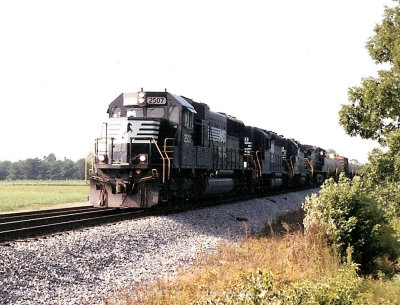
{"points": [[104, 141], [258, 162], [91, 169], [253, 163], [165, 144], [162, 157], [311, 166], [291, 167], [166, 154]]}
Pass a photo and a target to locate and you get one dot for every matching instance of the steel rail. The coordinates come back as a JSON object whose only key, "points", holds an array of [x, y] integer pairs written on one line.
{"points": [[9, 214], [7, 217], [22, 229]]}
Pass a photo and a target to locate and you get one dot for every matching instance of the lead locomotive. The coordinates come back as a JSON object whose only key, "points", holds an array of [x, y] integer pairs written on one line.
{"points": [[157, 147]]}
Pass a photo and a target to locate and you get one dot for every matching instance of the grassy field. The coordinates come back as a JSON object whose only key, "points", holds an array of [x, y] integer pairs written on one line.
{"points": [[21, 195], [44, 182]]}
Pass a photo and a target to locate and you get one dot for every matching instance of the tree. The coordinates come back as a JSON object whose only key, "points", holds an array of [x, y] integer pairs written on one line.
{"points": [[31, 168], [55, 172], [67, 169], [16, 170], [47, 168], [80, 169], [50, 158], [365, 213], [374, 109], [5, 169], [44, 171]]}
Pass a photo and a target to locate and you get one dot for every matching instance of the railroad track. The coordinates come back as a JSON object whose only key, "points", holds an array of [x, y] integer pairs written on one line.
{"points": [[14, 226], [23, 225]]}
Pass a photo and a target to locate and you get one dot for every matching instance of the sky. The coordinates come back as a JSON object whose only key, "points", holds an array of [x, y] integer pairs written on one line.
{"points": [[284, 66]]}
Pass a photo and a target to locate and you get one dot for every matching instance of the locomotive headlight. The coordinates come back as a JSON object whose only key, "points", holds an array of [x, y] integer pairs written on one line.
{"points": [[102, 158], [141, 98], [142, 158]]}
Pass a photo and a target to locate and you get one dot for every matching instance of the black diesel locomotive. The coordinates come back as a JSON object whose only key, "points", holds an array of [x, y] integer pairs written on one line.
{"points": [[157, 146]]}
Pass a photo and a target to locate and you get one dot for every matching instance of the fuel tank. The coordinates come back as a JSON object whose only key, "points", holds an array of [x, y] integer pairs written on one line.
{"points": [[216, 186]]}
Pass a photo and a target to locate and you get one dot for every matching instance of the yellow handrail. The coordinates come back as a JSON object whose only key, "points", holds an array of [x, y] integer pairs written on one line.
{"points": [[91, 170], [311, 166], [258, 161], [166, 155], [162, 157]]}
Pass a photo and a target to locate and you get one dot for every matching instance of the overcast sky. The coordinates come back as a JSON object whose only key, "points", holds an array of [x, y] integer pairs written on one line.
{"points": [[285, 66]]}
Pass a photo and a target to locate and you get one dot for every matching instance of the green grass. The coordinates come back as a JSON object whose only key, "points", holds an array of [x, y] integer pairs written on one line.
{"points": [[42, 182], [384, 289], [31, 195]]}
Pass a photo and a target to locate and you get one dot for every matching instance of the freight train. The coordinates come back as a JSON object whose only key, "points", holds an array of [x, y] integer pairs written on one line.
{"points": [[158, 147]]}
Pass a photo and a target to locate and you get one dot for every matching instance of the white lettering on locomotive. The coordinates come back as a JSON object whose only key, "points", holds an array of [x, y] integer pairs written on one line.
{"points": [[187, 138], [156, 100], [216, 134], [248, 146]]}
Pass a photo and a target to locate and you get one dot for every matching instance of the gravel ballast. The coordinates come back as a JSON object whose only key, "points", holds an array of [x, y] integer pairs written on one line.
{"points": [[86, 265]]}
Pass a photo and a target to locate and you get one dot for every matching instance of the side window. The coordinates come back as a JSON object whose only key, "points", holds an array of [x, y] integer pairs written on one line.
{"points": [[188, 119], [267, 144], [173, 114], [116, 113]]}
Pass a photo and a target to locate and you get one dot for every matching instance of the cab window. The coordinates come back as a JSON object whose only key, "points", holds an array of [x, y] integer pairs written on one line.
{"points": [[116, 113], [135, 112], [156, 112]]}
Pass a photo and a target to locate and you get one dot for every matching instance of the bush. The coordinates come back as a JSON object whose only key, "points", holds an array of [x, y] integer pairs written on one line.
{"points": [[260, 288], [343, 288], [387, 195], [349, 217]]}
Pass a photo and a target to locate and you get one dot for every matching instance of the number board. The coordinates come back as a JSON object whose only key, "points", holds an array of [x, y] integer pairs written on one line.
{"points": [[156, 100]]}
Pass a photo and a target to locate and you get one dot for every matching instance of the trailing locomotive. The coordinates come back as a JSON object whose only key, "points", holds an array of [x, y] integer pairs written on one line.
{"points": [[158, 146]]}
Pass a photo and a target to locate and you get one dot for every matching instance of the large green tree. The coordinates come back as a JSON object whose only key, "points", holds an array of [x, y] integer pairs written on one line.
{"points": [[374, 109], [374, 113]]}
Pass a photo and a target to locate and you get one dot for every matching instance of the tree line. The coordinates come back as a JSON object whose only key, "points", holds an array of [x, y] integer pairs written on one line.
{"points": [[48, 168]]}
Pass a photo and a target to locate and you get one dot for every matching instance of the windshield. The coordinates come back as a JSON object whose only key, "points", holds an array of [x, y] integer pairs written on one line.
{"points": [[156, 112], [135, 112]]}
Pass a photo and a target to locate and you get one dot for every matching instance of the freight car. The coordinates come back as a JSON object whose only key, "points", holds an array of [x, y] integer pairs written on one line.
{"points": [[158, 146]]}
